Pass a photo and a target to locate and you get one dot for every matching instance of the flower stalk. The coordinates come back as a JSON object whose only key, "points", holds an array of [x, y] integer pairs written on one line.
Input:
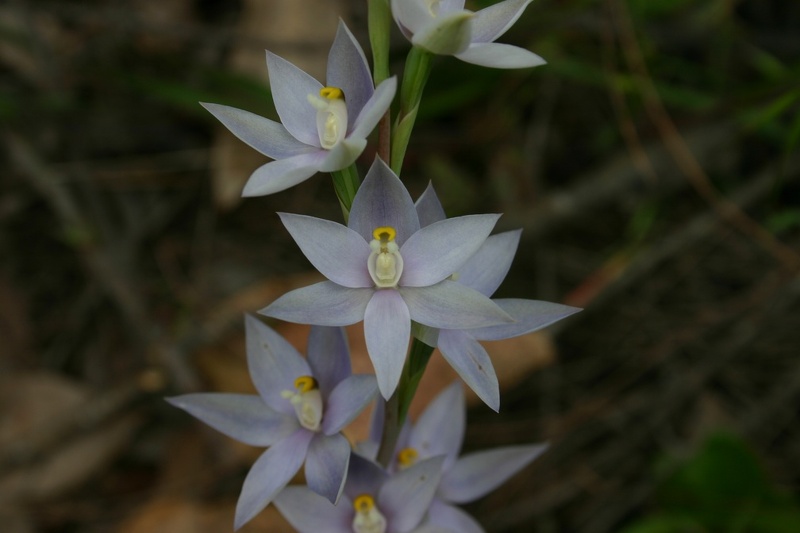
{"points": [[415, 76], [345, 183]]}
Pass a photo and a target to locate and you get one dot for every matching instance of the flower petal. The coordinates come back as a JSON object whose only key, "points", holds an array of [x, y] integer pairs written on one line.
{"points": [[308, 512], [451, 305], [405, 497], [437, 251], [274, 364], [279, 175], [447, 34], [343, 154], [347, 401], [349, 71], [326, 465], [386, 329], [290, 89], [328, 356], [472, 363], [476, 474], [452, 518], [270, 474], [244, 417], [268, 137], [429, 208], [497, 55], [530, 315], [493, 21], [487, 269], [321, 304], [374, 109], [382, 200], [338, 252], [440, 428], [411, 15], [364, 477]]}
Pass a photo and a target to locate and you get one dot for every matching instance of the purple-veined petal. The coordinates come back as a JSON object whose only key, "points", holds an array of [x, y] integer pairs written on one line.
{"points": [[343, 154], [347, 400], [382, 200], [412, 15], [530, 315], [493, 21], [267, 136], [279, 175], [328, 356], [487, 269], [374, 109], [338, 252], [326, 465], [308, 512], [437, 251], [270, 474], [321, 304], [364, 477], [477, 474], [349, 71], [472, 363], [497, 55], [244, 417], [274, 364], [405, 497], [440, 428], [451, 305], [386, 329], [452, 518], [429, 208], [290, 89]]}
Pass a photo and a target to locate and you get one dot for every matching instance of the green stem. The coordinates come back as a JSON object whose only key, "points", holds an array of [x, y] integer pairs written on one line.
{"points": [[379, 21], [346, 183], [415, 76], [396, 408]]}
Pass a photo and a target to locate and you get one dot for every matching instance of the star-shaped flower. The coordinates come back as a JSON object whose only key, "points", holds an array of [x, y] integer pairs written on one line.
{"points": [[373, 501], [299, 412], [484, 272], [323, 129], [438, 432], [385, 270], [444, 27]]}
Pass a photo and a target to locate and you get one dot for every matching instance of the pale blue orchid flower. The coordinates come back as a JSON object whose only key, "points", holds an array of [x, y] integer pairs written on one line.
{"points": [[484, 272], [299, 412], [373, 501], [324, 129], [383, 269], [444, 27], [439, 432]]}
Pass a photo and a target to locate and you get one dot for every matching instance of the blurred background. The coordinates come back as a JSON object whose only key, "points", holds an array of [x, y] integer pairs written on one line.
{"points": [[653, 164]]}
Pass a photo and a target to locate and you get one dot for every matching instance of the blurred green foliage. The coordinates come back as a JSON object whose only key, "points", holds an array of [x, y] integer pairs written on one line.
{"points": [[722, 488]]}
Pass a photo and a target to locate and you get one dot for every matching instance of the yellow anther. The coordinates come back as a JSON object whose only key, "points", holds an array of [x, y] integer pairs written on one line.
{"points": [[305, 384], [384, 233], [364, 504], [407, 457], [331, 93]]}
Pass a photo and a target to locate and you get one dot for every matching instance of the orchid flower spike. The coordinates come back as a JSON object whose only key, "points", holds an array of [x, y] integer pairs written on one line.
{"points": [[324, 128], [439, 432], [444, 27], [383, 269], [373, 501], [299, 412], [484, 272]]}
